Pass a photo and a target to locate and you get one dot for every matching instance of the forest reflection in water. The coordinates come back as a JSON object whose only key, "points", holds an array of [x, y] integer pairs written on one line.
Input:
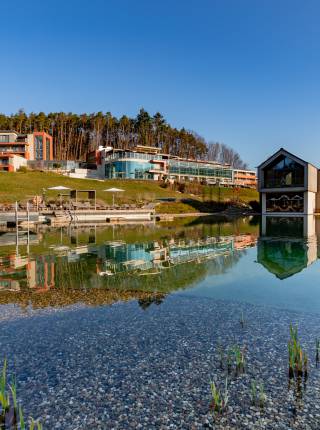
{"points": [[102, 265]]}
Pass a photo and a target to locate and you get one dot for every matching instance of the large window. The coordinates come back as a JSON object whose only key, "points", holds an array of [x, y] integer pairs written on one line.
{"points": [[284, 172], [286, 202], [189, 168], [47, 149], [128, 170], [38, 141], [284, 226], [4, 138]]}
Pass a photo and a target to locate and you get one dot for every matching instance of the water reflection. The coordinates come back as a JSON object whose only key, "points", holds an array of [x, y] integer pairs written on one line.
{"points": [[97, 265], [211, 257], [287, 245]]}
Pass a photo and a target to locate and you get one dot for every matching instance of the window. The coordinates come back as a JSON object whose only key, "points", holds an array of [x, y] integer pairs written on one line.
{"points": [[284, 172], [4, 138], [287, 202], [47, 149], [38, 141], [199, 169], [283, 226]]}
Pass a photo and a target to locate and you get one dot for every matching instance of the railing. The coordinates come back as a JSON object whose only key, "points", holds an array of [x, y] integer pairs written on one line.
{"points": [[282, 184]]}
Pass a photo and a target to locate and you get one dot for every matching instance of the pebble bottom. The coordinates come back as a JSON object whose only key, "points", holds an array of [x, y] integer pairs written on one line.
{"points": [[122, 367]]}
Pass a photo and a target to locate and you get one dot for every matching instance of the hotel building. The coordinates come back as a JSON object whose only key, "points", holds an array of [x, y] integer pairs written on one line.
{"points": [[144, 162], [245, 178], [16, 148]]}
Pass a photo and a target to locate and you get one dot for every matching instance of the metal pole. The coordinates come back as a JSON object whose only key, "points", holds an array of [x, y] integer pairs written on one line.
{"points": [[28, 231], [17, 232], [28, 214]]}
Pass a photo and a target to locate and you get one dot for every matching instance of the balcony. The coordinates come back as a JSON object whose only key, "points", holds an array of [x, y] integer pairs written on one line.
{"points": [[155, 160], [16, 148], [159, 171]]}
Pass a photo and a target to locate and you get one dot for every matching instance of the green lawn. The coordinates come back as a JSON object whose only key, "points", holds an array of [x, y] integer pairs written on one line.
{"points": [[20, 186]]}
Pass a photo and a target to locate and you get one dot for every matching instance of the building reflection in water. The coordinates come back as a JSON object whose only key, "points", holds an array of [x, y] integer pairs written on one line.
{"points": [[43, 272], [287, 245], [36, 273]]}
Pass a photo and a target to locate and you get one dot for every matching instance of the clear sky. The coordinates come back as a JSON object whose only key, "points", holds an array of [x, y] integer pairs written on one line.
{"points": [[242, 72]]}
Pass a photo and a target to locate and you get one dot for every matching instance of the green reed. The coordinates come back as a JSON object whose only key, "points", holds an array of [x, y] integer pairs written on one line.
{"points": [[242, 320], [11, 414], [220, 398], [298, 359], [240, 360], [257, 394]]}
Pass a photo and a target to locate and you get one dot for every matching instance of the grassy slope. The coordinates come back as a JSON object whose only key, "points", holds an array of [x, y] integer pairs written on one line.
{"points": [[21, 186]]}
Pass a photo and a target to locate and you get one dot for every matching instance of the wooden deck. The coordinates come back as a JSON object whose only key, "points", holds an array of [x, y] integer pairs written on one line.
{"points": [[63, 217]]}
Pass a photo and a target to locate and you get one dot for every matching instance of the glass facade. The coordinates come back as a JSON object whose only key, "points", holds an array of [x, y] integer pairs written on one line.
{"points": [[189, 168], [130, 154], [38, 146], [126, 165], [284, 172], [128, 170], [286, 202]]}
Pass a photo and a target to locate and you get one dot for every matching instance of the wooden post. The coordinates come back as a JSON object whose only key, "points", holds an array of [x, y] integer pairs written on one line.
{"points": [[16, 212], [17, 231], [28, 231]]}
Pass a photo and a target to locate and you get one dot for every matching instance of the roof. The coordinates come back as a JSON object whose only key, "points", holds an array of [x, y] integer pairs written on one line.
{"points": [[137, 149], [272, 254], [8, 131], [281, 151]]}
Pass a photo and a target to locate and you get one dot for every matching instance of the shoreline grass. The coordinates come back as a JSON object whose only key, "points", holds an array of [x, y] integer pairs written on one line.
{"points": [[21, 186]]}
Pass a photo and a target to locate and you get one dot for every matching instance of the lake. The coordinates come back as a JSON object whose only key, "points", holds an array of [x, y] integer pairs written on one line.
{"points": [[126, 326]]}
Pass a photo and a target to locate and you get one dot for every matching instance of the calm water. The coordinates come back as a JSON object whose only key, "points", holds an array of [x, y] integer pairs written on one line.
{"points": [[120, 327], [269, 262]]}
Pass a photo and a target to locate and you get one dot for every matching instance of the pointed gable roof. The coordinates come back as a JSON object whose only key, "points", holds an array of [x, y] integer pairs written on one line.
{"points": [[283, 151]]}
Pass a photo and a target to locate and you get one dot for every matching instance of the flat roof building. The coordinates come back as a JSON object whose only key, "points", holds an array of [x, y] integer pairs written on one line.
{"points": [[31, 146], [144, 162]]}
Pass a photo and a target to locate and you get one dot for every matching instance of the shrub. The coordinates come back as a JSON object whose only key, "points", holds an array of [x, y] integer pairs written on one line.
{"points": [[181, 187], [255, 205], [22, 169], [164, 184]]}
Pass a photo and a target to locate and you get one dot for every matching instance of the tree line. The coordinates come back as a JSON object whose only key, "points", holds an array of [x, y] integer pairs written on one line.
{"points": [[77, 134]]}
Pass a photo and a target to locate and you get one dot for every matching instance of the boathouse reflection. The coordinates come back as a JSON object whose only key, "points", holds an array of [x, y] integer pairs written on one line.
{"points": [[287, 245]]}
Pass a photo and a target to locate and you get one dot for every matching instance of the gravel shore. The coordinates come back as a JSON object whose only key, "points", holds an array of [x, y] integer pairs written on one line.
{"points": [[124, 367]]}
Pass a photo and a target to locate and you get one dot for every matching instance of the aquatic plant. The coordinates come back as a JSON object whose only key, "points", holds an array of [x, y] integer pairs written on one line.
{"points": [[298, 359], [253, 392], [219, 399], [242, 320], [11, 414], [229, 360], [220, 354], [4, 396], [257, 394], [240, 360]]}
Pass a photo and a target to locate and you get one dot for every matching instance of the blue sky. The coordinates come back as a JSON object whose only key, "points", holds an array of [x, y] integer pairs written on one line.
{"points": [[242, 72]]}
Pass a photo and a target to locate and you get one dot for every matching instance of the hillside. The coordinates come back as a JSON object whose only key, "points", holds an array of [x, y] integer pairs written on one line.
{"points": [[20, 186]]}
